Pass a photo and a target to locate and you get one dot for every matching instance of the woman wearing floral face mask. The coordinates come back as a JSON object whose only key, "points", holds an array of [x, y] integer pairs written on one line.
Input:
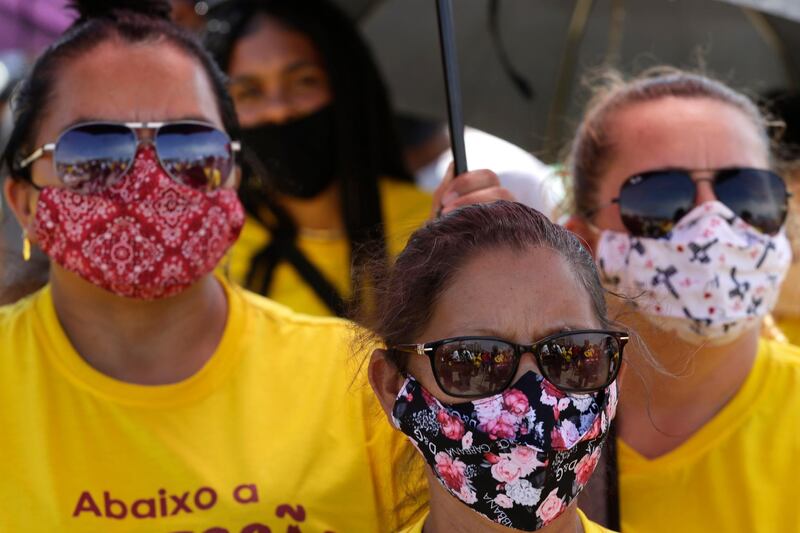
{"points": [[141, 392], [504, 380], [675, 196]]}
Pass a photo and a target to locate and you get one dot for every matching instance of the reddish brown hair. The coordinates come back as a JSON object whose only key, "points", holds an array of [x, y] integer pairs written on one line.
{"points": [[406, 297]]}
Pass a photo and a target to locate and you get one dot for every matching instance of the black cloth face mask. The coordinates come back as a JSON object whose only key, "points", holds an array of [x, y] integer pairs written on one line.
{"points": [[296, 158]]}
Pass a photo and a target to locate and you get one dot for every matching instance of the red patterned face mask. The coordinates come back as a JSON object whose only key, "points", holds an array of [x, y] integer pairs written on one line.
{"points": [[145, 237]]}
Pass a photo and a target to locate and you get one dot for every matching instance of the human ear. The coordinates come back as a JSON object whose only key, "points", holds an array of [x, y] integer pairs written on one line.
{"points": [[584, 230], [21, 198], [384, 379]]}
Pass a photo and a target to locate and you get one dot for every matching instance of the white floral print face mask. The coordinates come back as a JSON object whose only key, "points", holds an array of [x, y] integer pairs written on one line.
{"points": [[712, 278], [518, 458]]}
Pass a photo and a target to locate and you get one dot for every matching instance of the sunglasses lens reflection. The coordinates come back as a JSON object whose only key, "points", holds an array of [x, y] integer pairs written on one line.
{"points": [[91, 157], [758, 197], [580, 362], [651, 203], [196, 155], [474, 367]]}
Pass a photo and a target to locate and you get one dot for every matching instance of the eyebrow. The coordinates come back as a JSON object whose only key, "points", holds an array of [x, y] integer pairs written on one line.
{"points": [[300, 64], [88, 119], [290, 68], [481, 331]]}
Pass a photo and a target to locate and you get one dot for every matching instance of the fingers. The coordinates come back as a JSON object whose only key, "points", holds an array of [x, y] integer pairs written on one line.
{"points": [[472, 181], [436, 207], [473, 187], [487, 195], [477, 186]]}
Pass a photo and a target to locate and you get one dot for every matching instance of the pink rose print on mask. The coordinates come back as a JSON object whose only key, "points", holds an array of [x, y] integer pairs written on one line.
{"points": [[586, 466], [564, 437], [452, 426], [451, 471], [516, 402], [467, 495], [505, 471], [503, 466], [526, 458], [488, 408], [502, 427], [551, 508], [504, 501]]}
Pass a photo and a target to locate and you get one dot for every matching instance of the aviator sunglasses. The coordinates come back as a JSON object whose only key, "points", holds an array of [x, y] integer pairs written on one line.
{"points": [[581, 361], [651, 203], [92, 156]]}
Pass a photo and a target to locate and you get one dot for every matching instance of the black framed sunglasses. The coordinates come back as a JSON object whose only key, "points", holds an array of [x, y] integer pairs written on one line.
{"points": [[651, 203], [91, 156], [581, 361]]}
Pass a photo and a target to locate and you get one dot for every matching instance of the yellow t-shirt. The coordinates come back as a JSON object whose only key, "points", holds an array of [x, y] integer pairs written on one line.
{"points": [[738, 473], [405, 208], [276, 430], [790, 326], [588, 525]]}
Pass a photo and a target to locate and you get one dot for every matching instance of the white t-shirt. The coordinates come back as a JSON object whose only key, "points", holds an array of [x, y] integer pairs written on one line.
{"points": [[532, 182]]}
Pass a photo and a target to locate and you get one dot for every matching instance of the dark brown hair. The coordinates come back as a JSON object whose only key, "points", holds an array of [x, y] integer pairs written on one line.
{"points": [[591, 146], [407, 296], [405, 300]]}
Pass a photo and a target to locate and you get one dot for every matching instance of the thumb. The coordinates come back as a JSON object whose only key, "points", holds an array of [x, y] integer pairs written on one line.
{"points": [[441, 190]]}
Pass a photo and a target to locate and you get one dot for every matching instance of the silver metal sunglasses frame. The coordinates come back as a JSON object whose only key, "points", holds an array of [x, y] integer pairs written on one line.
{"points": [[135, 127]]}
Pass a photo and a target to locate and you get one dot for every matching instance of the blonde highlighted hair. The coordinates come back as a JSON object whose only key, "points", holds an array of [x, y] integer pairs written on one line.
{"points": [[591, 146]]}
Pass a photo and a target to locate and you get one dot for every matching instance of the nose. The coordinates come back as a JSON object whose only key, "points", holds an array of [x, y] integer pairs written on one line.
{"points": [[527, 363], [704, 181], [274, 109]]}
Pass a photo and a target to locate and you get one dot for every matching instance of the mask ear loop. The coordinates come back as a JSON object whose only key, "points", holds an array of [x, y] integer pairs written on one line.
{"points": [[771, 331]]}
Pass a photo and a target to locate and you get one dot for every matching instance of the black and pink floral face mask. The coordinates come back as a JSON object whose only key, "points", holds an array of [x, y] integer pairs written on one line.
{"points": [[518, 458]]}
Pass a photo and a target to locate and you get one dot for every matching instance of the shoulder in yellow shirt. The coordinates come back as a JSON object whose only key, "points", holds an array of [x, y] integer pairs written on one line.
{"points": [[790, 326], [278, 430], [738, 473], [405, 208]]}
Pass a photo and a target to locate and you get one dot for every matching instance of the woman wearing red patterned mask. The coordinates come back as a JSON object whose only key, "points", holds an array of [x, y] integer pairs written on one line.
{"points": [[141, 391]]}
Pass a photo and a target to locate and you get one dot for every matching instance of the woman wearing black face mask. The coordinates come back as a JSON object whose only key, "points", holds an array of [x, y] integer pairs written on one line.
{"points": [[510, 414], [326, 185]]}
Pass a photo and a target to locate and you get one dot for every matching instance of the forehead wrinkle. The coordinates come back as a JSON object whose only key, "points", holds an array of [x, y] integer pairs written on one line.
{"points": [[503, 321]]}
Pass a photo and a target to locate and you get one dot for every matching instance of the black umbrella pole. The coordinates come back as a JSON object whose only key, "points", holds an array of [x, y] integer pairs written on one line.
{"points": [[447, 41]]}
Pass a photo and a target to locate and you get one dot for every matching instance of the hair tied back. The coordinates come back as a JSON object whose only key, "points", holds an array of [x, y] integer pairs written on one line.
{"points": [[93, 9]]}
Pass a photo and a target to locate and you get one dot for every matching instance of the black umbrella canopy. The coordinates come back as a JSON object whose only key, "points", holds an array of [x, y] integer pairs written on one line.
{"points": [[553, 44]]}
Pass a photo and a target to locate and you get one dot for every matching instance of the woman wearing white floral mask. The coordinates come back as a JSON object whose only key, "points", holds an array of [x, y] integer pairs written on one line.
{"points": [[675, 196], [504, 381]]}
